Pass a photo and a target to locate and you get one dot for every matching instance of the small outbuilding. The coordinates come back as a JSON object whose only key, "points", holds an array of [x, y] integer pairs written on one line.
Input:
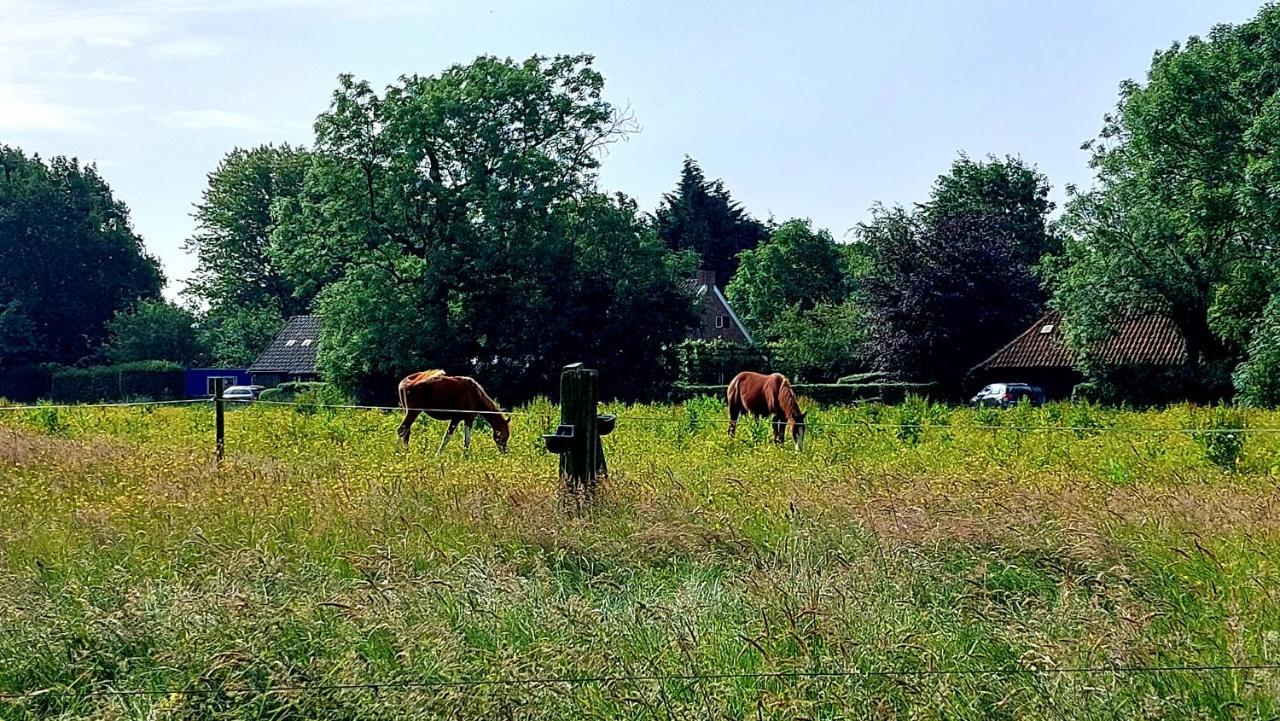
{"points": [[199, 381], [291, 355], [1040, 355]]}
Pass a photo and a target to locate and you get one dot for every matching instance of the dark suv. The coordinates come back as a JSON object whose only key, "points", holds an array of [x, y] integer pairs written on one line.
{"points": [[1005, 395]]}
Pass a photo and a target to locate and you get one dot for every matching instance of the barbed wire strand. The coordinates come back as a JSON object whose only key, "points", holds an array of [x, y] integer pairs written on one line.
{"points": [[617, 678]]}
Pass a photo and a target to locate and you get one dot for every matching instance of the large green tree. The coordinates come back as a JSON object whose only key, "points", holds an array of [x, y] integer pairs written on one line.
{"points": [[942, 293], [155, 330], [701, 216], [1009, 193], [238, 274], [796, 268], [451, 221], [70, 259], [1186, 200]]}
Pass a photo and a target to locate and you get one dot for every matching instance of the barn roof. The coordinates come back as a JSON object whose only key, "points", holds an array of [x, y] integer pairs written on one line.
{"points": [[294, 348], [1139, 340]]}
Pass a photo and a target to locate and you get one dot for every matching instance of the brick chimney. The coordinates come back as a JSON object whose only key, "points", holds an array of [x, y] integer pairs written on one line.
{"points": [[706, 277]]}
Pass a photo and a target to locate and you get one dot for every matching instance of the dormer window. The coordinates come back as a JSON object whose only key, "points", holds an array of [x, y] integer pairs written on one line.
{"points": [[306, 342], [290, 342], [1046, 329]]}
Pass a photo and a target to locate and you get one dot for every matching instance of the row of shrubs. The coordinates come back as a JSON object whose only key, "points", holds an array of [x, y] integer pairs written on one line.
{"points": [[824, 393], [152, 380]]}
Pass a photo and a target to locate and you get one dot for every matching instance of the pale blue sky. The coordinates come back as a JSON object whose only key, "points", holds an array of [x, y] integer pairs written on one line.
{"points": [[813, 109]]}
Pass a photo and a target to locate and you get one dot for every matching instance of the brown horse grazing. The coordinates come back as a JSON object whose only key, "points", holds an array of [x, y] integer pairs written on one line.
{"points": [[766, 395], [456, 399]]}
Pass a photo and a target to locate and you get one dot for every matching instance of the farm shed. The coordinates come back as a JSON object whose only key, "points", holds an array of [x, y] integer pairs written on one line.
{"points": [[1040, 354], [716, 318], [291, 355], [199, 381]]}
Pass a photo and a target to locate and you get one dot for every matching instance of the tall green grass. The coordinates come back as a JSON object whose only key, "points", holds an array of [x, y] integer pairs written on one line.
{"points": [[916, 539]]}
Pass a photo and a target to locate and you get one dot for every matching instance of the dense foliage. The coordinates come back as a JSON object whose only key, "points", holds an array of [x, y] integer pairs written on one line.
{"points": [[238, 273], [155, 330], [702, 217], [70, 259], [1186, 201], [948, 283], [452, 222], [143, 380]]}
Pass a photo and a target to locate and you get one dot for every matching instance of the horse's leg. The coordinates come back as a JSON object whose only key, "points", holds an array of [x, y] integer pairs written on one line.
{"points": [[733, 420], [447, 435], [409, 417], [779, 430], [466, 436]]}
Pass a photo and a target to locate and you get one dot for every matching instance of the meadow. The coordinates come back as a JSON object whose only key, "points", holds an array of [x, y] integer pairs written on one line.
{"points": [[913, 561]]}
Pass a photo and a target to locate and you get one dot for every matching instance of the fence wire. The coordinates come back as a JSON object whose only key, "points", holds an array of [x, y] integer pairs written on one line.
{"points": [[700, 420]]}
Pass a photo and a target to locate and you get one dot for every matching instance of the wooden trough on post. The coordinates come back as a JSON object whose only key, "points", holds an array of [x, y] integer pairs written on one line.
{"points": [[577, 439]]}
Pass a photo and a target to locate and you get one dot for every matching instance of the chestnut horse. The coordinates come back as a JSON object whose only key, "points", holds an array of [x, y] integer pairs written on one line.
{"points": [[456, 399], [766, 395]]}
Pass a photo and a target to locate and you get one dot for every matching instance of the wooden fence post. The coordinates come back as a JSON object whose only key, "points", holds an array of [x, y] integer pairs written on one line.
{"points": [[578, 388], [219, 443], [577, 440]]}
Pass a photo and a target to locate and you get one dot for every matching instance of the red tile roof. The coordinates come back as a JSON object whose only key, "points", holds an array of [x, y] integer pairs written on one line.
{"points": [[1140, 340]]}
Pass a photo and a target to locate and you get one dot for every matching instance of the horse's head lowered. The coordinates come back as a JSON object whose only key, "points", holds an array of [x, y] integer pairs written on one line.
{"points": [[797, 431], [501, 426]]}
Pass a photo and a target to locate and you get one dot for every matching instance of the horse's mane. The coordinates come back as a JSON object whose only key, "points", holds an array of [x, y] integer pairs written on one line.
{"points": [[787, 399], [485, 399]]}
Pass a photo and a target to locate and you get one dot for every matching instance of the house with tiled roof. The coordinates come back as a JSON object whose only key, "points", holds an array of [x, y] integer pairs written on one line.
{"points": [[716, 319], [291, 355], [1040, 354]]}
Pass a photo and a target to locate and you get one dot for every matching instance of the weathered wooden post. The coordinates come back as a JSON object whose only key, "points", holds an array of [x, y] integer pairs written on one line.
{"points": [[577, 439], [219, 443]]}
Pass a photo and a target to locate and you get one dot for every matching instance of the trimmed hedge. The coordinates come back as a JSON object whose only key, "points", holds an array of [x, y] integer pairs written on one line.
{"points": [[824, 393], [26, 383], [153, 380], [864, 378], [313, 391]]}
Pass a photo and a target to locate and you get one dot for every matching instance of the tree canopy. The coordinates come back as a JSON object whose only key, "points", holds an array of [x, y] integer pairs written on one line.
{"points": [[949, 282], [701, 216], [238, 273], [795, 269], [452, 222], [71, 259], [155, 330], [1186, 199]]}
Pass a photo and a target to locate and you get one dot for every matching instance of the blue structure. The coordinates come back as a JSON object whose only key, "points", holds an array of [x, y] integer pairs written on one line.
{"points": [[200, 380]]}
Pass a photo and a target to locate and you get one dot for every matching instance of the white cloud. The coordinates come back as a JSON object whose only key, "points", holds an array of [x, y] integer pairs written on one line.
{"points": [[22, 108], [188, 49], [103, 75], [214, 119]]}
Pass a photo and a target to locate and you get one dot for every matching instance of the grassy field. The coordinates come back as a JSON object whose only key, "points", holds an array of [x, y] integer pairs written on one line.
{"points": [[909, 539]]}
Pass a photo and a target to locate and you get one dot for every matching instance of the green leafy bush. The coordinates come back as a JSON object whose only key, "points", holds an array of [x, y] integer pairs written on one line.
{"points": [[154, 380], [308, 395], [1222, 437]]}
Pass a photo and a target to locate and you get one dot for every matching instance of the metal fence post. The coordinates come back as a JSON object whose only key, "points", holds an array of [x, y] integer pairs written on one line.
{"points": [[218, 427]]}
